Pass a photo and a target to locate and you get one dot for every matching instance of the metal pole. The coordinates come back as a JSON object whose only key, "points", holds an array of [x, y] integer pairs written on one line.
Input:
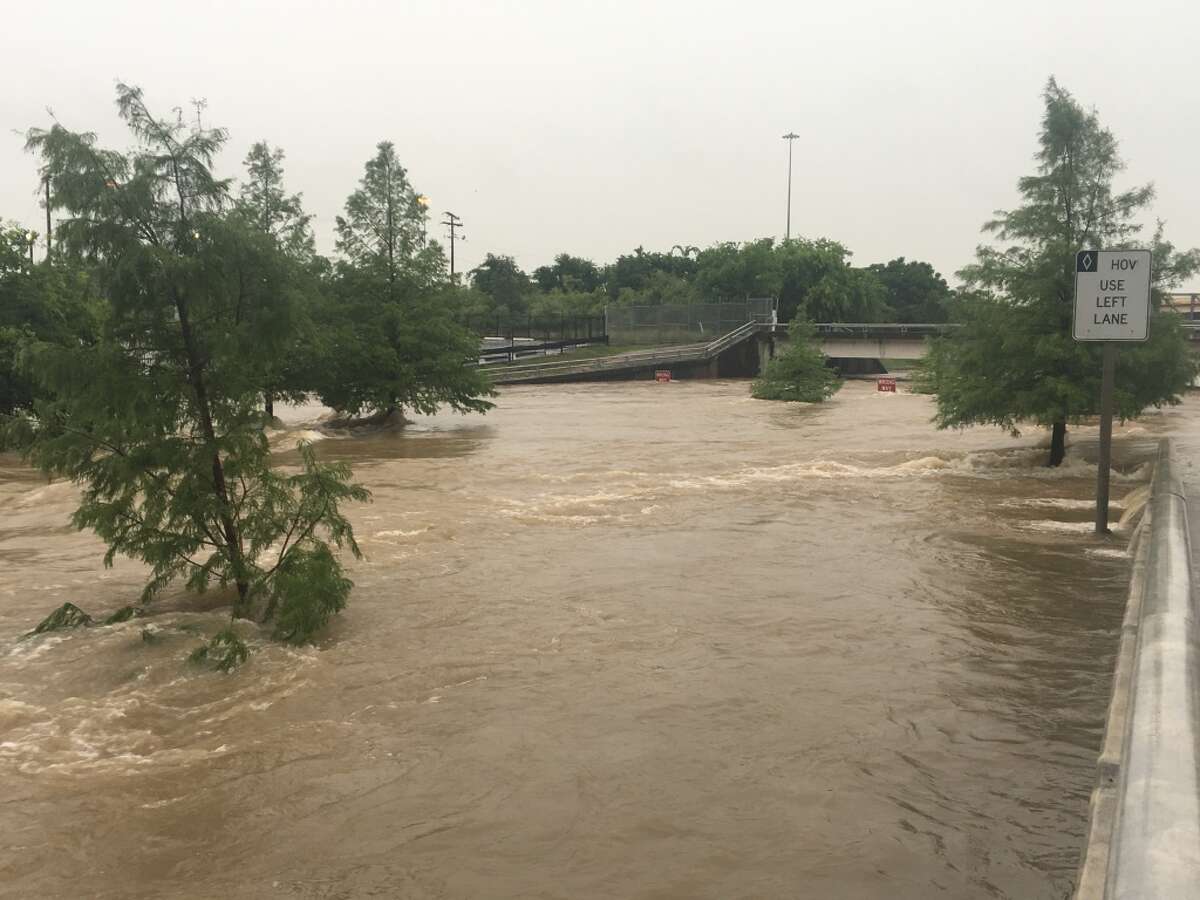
{"points": [[789, 137], [1107, 379]]}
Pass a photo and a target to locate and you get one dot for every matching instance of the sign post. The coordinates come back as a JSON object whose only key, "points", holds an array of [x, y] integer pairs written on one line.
{"points": [[1112, 304]]}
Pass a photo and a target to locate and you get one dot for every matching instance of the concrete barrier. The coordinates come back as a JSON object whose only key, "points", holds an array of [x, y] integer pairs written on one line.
{"points": [[1144, 833]]}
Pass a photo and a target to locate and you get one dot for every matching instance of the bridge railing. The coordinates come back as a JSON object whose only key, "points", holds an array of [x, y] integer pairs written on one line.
{"points": [[659, 357], [1156, 840], [883, 329], [1144, 837]]}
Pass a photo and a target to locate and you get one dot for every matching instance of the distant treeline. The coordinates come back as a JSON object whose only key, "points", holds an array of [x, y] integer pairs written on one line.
{"points": [[812, 279]]}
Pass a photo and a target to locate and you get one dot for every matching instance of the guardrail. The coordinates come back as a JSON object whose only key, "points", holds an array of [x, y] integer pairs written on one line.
{"points": [[1144, 838]]}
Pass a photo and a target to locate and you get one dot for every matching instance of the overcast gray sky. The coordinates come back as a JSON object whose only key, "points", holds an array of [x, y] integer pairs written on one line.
{"points": [[595, 127]]}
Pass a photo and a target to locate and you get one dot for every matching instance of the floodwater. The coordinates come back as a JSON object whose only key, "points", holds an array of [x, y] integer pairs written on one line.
{"points": [[620, 640]]}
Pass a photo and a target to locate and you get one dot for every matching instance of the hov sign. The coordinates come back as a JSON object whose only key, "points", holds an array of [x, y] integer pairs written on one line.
{"points": [[1112, 295]]}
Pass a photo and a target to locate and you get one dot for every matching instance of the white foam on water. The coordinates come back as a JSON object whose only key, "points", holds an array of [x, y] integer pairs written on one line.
{"points": [[1133, 502], [292, 438], [1054, 503], [1055, 526], [38, 645], [1107, 552], [647, 490], [400, 533]]}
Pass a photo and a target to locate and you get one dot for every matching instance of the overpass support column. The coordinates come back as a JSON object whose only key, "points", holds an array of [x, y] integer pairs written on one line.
{"points": [[765, 345]]}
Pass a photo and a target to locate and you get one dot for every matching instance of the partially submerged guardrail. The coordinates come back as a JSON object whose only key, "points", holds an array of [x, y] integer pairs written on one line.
{"points": [[1144, 836]]}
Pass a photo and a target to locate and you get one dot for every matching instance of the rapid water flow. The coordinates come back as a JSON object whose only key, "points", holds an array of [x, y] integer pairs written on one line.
{"points": [[609, 641]]}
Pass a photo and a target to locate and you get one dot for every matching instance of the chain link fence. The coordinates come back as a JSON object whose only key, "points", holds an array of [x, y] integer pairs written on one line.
{"points": [[683, 324]]}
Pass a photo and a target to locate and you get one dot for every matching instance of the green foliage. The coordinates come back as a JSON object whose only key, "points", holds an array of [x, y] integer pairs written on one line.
{"points": [[66, 616], [732, 271], [309, 587], [383, 233], [1014, 360], [501, 279], [382, 352], [124, 614], [915, 291], [568, 303], [385, 331], [632, 271], [224, 651], [45, 302], [266, 204], [798, 373], [569, 274], [266, 208], [157, 418]]}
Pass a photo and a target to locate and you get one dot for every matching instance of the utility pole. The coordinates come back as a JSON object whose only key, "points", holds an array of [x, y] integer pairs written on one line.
{"points": [[452, 222], [789, 137]]}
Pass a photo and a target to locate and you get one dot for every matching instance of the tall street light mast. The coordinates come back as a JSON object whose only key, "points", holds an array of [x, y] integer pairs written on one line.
{"points": [[789, 137]]}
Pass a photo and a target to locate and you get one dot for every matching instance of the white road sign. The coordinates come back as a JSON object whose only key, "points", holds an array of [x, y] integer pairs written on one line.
{"points": [[1112, 295]]}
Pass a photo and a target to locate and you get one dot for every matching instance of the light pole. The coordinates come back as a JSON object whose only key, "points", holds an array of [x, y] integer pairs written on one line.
{"points": [[789, 137]]}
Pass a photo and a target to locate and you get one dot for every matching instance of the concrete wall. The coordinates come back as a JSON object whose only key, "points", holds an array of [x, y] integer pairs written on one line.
{"points": [[1144, 833], [851, 347]]}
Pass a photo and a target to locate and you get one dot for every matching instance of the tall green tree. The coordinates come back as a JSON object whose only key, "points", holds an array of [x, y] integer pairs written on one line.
{"points": [[157, 418], [266, 206], [1014, 362], [383, 232], [389, 339]]}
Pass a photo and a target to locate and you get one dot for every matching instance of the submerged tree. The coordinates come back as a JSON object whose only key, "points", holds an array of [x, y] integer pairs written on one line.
{"points": [[798, 373], [157, 419], [265, 206], [1014, 361], [390, 341]]}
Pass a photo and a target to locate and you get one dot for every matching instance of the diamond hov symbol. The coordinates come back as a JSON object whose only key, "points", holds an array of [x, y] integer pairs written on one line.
{"points": [[1086, 261]]}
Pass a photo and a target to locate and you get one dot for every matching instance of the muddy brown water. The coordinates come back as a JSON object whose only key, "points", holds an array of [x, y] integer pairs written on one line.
{"points": [[609, 641]]}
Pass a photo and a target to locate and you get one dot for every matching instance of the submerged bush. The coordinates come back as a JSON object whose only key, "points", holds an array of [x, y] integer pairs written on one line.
{"points": [[224, 651], [799, 373], [66, 616]]}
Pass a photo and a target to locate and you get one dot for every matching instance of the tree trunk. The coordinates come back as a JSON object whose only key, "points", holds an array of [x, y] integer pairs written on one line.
{"points": [[1058, 443], [233, 539], [270, 403]]}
